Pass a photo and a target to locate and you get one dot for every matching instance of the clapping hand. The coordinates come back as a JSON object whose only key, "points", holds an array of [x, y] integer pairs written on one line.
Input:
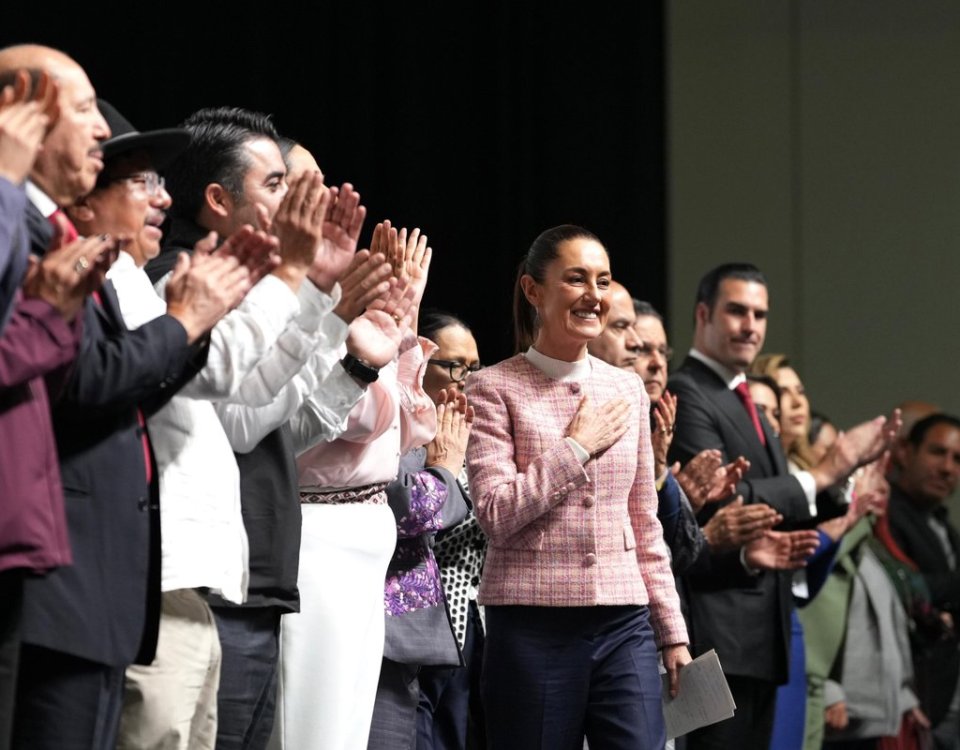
{"points": [[299, 225], [375, 336], [67, 274], [366, 278], [705, 479], [408, 254], [781, 550], [203, 288], [454, 420], [664, 415], [341, 233], [736, 524], [25, 117]]}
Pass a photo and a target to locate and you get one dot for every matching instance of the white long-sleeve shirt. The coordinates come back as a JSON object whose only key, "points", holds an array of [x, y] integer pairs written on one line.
{"points": [[268, 335]]}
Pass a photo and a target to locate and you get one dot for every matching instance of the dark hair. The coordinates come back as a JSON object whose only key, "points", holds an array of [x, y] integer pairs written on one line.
{"points": [[644, 309], [918, 432], [767, 381], [431, 321], [817, 423], [286, 146], [543, 251], [709, 286], [216, 154]]}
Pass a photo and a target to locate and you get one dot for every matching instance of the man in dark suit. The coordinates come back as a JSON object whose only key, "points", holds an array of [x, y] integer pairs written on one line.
{"points": [[745, 614], [84, 624], [929, 469]]}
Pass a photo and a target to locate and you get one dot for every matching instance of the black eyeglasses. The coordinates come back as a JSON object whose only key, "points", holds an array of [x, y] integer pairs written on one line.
{"points": [[458, 370], [648, 350]]}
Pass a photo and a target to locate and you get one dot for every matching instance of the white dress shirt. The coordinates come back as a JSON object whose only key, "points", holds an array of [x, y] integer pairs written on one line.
{"points": [[204, 540]]}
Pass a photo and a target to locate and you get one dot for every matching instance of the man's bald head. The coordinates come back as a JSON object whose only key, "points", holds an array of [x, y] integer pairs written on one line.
{"points": [[33, 56], [300, 161], [70, 159]]}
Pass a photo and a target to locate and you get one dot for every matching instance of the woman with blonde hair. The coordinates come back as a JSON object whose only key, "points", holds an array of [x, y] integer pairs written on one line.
{"points": [[794, 409]]}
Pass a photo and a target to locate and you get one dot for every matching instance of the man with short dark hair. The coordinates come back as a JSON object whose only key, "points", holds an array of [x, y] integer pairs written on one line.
{"points": [[929, 470], [233, 173], [732, 527], [746, 618]]}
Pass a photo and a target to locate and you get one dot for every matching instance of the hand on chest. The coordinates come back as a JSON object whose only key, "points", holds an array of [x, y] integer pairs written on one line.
{"points": [[542, 417]]}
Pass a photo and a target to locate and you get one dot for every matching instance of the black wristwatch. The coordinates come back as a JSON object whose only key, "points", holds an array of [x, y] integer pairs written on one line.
{"points": [[365, 373]]}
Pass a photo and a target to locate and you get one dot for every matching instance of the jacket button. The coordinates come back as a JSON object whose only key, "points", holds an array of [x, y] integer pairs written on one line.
{"points": [[589, 501], [141, 504], [574, 388], [590, 560], [570, 487]]}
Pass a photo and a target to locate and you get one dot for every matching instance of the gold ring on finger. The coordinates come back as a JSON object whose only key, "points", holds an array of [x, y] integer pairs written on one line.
{"points": [[81, 265]]}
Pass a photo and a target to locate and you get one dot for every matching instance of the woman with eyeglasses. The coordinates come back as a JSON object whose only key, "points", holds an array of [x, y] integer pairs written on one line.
{"points": [[450, 705], [576, 586]]}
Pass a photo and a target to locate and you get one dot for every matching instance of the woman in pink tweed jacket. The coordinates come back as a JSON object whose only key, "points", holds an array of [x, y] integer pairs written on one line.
{"points": [[562, 477]]}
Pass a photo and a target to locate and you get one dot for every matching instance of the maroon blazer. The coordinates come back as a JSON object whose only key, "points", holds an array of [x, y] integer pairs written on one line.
{"points": [[562, 534], [33, 527]]}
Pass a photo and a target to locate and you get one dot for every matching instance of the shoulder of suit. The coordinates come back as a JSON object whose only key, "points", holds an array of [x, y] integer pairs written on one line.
{"points": [[507, 368]]}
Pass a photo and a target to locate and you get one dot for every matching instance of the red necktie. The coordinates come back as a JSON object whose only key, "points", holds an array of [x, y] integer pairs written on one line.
{"points": [[743, 392], [69, 230]]}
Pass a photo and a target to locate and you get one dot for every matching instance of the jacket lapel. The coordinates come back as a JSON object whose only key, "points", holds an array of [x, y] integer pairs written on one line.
{"points": [[732, 409]]}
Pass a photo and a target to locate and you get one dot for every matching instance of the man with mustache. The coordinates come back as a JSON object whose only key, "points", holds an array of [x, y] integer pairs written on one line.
{"points": [[746, 618], [84, 624]]}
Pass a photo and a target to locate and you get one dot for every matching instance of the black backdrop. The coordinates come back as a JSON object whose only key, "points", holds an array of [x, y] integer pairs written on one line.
{"points": [[483, 124]]}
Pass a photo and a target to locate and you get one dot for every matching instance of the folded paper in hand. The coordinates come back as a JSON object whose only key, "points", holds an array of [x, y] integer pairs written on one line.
{"points": [[704, 697]]}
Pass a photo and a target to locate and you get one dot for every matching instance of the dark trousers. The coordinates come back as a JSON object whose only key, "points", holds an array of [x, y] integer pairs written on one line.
{"points": [[65, 702], [552, 675], [247, 699], [450, 714], [394, 723], [751, 725], [11, 614]]}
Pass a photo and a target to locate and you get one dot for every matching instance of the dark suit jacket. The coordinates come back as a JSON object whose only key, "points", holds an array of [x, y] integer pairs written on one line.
{"points": [[745, 618], [910, 529], [105, 607], [936, 662]]}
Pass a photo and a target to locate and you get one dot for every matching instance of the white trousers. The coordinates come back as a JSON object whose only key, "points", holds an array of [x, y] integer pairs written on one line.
{"points": [[172, 704], [331, 651]]}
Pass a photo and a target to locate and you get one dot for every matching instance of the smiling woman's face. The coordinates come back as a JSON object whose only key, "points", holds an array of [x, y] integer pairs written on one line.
{"points": [[573, 300]]}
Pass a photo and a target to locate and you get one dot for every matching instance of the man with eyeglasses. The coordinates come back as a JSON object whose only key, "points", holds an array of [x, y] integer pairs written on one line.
{"points": [[84, 624]]}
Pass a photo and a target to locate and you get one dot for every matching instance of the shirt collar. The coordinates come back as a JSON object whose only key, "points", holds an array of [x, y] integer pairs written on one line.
{"points": [[728, 376], [557, 369], [40, 200]]}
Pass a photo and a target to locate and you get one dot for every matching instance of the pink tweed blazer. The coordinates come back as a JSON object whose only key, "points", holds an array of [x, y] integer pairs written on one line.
{"points": [[562, 534]]}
